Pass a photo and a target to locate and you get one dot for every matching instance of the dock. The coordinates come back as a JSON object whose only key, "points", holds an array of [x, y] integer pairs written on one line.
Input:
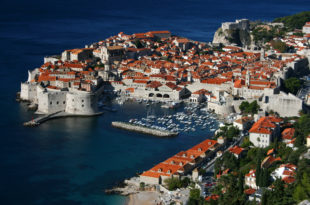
{"points": [[37, 121], [144, 130], [59, 114]]}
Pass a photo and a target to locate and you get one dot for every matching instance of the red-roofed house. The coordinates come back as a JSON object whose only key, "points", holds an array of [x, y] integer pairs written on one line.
{"points": [[268, 161], [180, 164], [250, 179], [264, 131], [287, 135], [243, 123], [236, 151], [200, 96], [286, 172]]}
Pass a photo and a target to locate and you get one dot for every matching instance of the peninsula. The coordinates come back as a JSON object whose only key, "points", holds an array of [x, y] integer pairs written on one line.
{"points": [[254, 74]]}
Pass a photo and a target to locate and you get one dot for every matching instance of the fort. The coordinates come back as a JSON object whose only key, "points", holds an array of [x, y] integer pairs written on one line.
{"points": [[242, 24]]}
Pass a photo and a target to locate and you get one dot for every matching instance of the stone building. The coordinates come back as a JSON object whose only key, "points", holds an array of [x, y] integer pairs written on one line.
{"points": [[77, 54], [286, 105], [109, 54], [51, 100], [242, 24]]}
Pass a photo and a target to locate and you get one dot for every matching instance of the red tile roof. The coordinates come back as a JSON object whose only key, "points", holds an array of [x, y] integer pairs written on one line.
{"points": [[249, 191], [265, 125], [288, 133], [212, 197], [236, 150]]}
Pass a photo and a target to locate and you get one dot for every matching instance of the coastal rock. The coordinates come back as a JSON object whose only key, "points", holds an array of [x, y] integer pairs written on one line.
{"points": [[232, 37], [220, 37]]}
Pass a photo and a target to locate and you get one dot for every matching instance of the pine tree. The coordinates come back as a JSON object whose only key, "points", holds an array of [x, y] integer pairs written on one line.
{"points": [[258, 173]]}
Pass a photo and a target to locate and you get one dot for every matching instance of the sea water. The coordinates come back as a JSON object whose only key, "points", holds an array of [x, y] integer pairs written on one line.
{"points": [[72, 160]]}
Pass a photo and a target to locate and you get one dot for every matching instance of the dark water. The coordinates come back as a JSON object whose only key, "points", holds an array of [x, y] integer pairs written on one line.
{"points": [[70, 161]]}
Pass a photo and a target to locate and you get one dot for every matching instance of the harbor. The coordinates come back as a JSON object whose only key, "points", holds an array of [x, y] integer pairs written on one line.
{"points": [[184, 118]]}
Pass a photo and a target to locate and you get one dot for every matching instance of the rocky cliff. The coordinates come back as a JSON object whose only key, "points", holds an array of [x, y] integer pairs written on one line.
{"points": [[232, 37]]}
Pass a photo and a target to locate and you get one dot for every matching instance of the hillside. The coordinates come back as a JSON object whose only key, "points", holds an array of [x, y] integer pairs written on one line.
{"points": [[295, 21]]}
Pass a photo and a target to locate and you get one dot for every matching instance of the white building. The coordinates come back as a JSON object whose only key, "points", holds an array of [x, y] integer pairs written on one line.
{"points": [[250, 179], [306, 28], [264, 131]]}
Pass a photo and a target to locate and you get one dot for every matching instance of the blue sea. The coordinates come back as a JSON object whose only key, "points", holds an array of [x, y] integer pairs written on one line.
{"points": [[72, 160]]}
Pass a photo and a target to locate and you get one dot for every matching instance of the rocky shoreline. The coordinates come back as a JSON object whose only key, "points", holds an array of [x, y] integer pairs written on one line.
{"points": [[125, 188]]}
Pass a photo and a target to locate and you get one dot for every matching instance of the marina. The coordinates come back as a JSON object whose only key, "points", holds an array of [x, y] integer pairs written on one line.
{"points": [[187, 118]]}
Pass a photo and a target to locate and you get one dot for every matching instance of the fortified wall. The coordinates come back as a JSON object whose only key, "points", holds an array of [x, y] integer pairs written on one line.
{"points": [[53, 100], [242, 24]]}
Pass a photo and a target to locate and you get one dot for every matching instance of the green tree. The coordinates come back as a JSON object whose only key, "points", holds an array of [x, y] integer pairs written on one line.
{"points": [[254, 107], [142, 186], [244, 106], [194, 194], [292, 85], [249, 108], [175, 183], [302, 190], [246, 142]]}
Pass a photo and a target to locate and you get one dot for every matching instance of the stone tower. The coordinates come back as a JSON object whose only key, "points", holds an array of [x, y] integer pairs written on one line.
{"points": [[189, 76], [247, 78], [262, 54]]}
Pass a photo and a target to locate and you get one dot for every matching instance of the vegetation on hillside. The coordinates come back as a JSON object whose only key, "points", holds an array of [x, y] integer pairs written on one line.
{"points": [[263, 35], [280, 46], [175, 183], [296, 21], [230, 187]]}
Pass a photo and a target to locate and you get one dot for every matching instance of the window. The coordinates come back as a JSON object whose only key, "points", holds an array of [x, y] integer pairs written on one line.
{"points": [[64, 102], [82, 100], [57, 102], [50, 102], [82, 105], [72, 100]]}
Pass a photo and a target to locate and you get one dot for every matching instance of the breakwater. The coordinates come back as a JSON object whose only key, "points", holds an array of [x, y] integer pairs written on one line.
{"points": [[59, 114], [144, 130]]}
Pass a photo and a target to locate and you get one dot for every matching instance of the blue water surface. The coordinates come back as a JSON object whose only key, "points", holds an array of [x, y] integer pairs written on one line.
{"points": [[72, 160]]}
